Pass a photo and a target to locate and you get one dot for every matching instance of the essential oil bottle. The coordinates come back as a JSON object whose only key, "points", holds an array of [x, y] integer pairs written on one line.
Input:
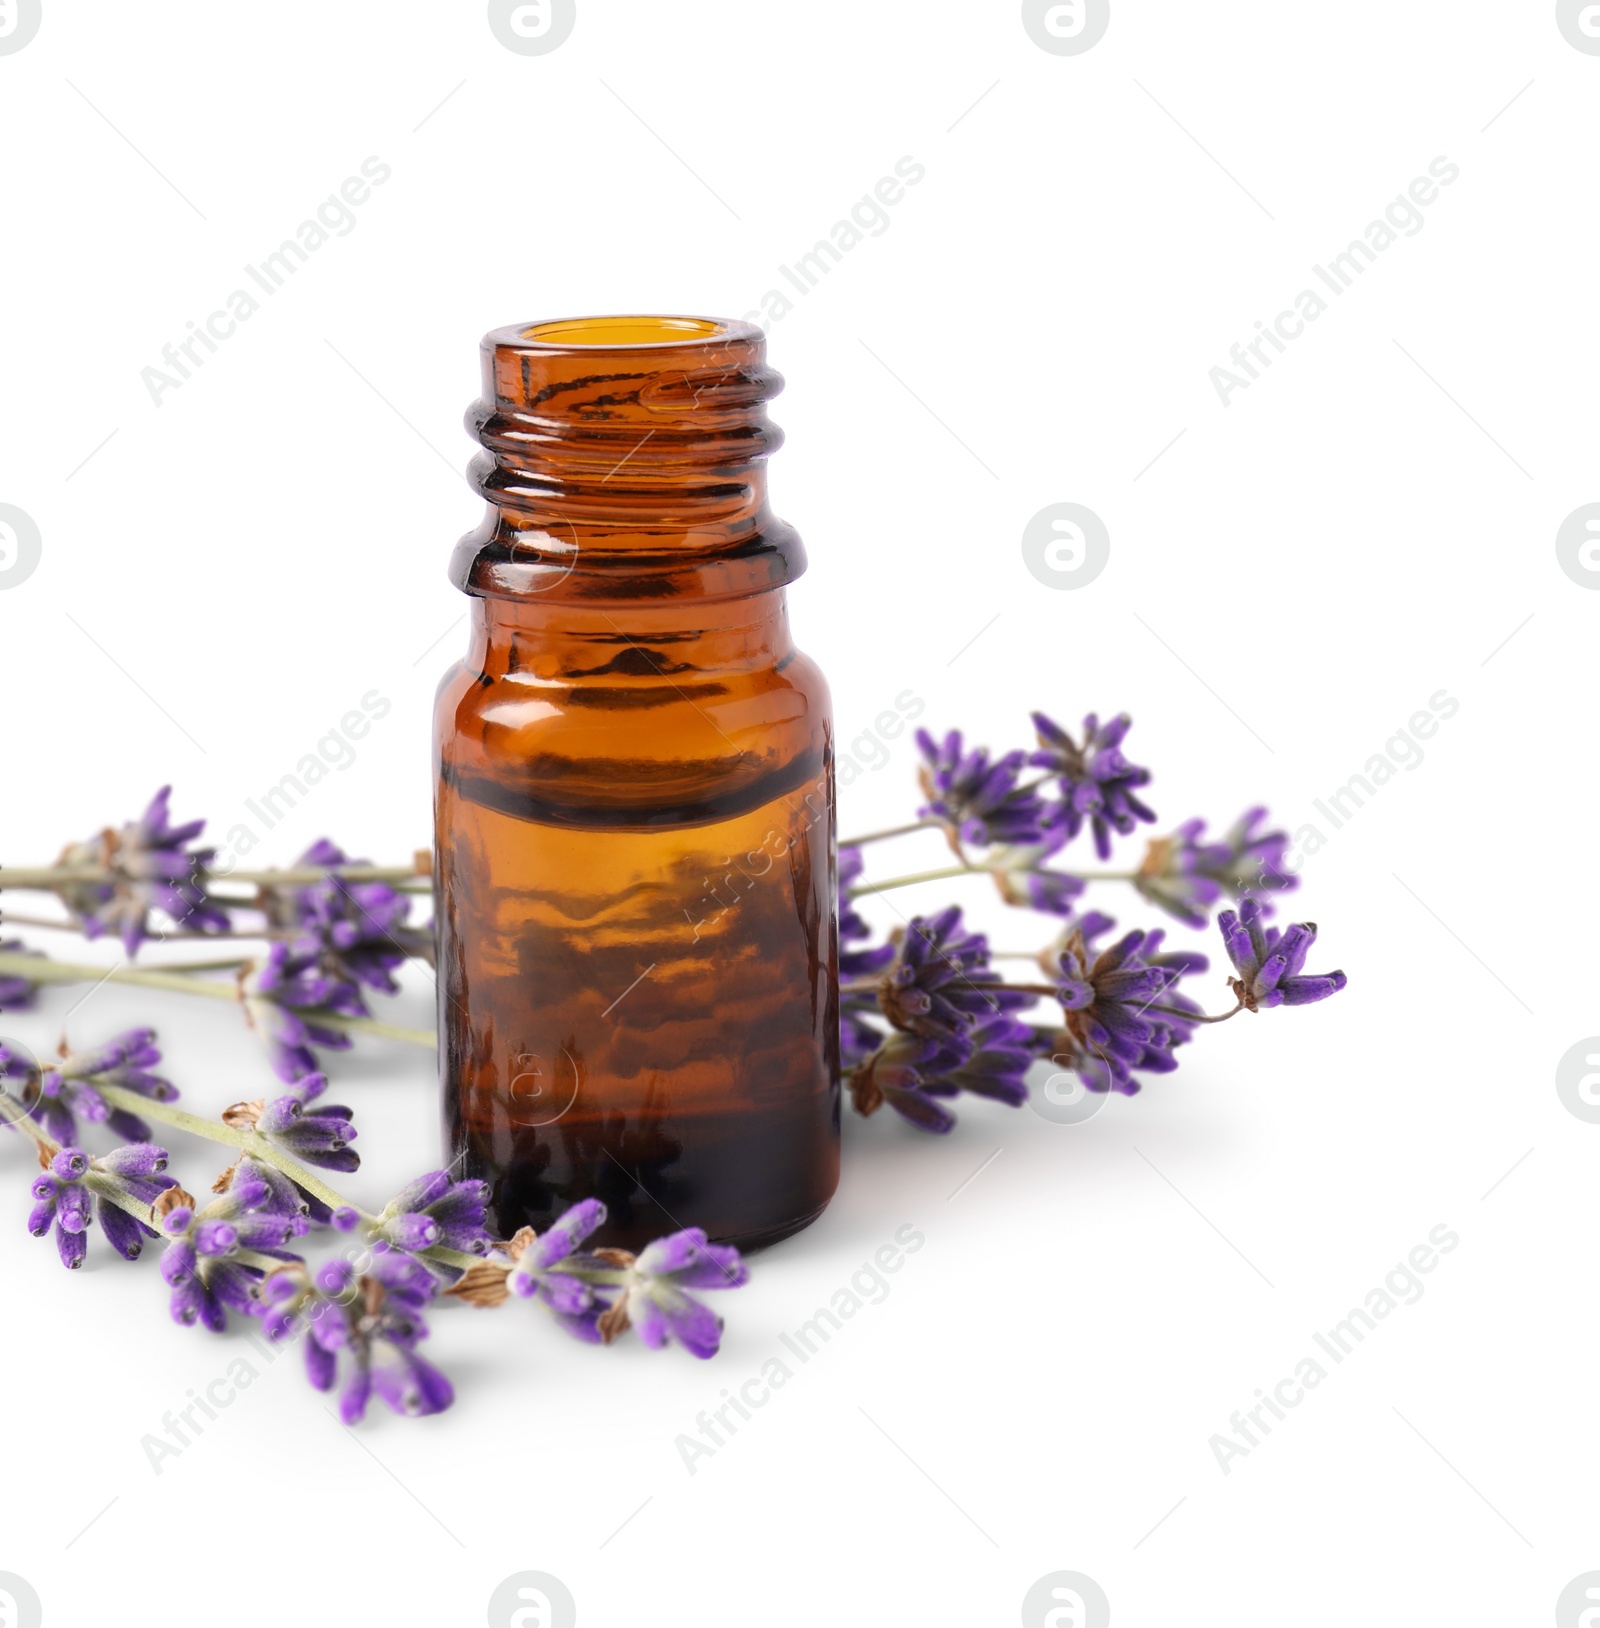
{"points": [[635, 847]]}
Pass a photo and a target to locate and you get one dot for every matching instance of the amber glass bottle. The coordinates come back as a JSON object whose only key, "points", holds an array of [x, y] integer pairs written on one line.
{"points": [[638, 984]]}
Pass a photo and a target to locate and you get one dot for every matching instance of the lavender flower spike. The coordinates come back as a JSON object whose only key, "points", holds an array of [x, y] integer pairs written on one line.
{"points": [[204, 1264], [903, 1073], [537, 1274], [654, 1299], [940, 982], [1268, 961], [68, 1088], [372, 1324], [1097, 782], [1180, 873], [977, 800], [285, 994], [153, 868], [1026, 881], [1107, 1003], [360, 928], [74, 1184], [319, 1135], [1185, 875], [435, 1211]]}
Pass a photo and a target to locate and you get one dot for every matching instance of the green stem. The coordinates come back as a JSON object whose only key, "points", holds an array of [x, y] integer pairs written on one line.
{"points": [[1054, 992], [944, 873], [47, 878], [113, 1194], [230, 964], [606, 1276], [262, 1263], [458, 1258], [893, 831], [37, 970], [66, 925], [376, 1026], [14, 1113], [213, 1130], [1196, 1017]]}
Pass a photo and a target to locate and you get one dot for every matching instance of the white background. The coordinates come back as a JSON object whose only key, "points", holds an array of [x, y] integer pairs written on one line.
{"points": [[1366, 525]]}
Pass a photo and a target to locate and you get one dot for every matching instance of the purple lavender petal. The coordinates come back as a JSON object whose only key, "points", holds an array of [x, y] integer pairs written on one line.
{"points": [[122, 1231], [322, 1366]]}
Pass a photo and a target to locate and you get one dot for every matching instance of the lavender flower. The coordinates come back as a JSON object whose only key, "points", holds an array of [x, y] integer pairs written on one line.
{"points": [[1097, 782], [153, 868], [1257, 860], [996, 1066], [909, 1072], [653, 1298], [286, 996], [902, 1072], [373, 1322], [316, 1136], [360, 928], [74, 1184], [1026, 881], [67, 1090], [204, 1262], [1110, 1027], [435, 1211], [940, 982], [1268, 961], [1185, 876], [1179, 874], [979, 801], [538, 1275], [17, 993]]}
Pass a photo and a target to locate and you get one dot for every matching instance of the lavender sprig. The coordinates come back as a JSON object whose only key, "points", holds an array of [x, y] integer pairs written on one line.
{"points": [[359, 929], [1097, 783], [1268, 962], [113, 1189], [599, 1295], [61, 1093], [151, 867], [978, 801], [369, 1322], [217, 1252]]}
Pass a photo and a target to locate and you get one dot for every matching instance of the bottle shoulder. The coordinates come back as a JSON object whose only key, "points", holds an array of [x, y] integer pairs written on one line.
{"points": [[674, 746]]}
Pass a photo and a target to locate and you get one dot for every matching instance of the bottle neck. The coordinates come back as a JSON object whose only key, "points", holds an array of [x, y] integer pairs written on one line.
{"points": [[686, 643], [624, 462]]}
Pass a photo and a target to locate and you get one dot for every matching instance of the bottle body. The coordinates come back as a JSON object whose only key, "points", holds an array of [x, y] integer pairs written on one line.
{"points": [[634, 819]]}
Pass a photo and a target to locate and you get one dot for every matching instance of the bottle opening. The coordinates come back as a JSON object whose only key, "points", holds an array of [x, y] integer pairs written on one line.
{"points": [[589, 332]]}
